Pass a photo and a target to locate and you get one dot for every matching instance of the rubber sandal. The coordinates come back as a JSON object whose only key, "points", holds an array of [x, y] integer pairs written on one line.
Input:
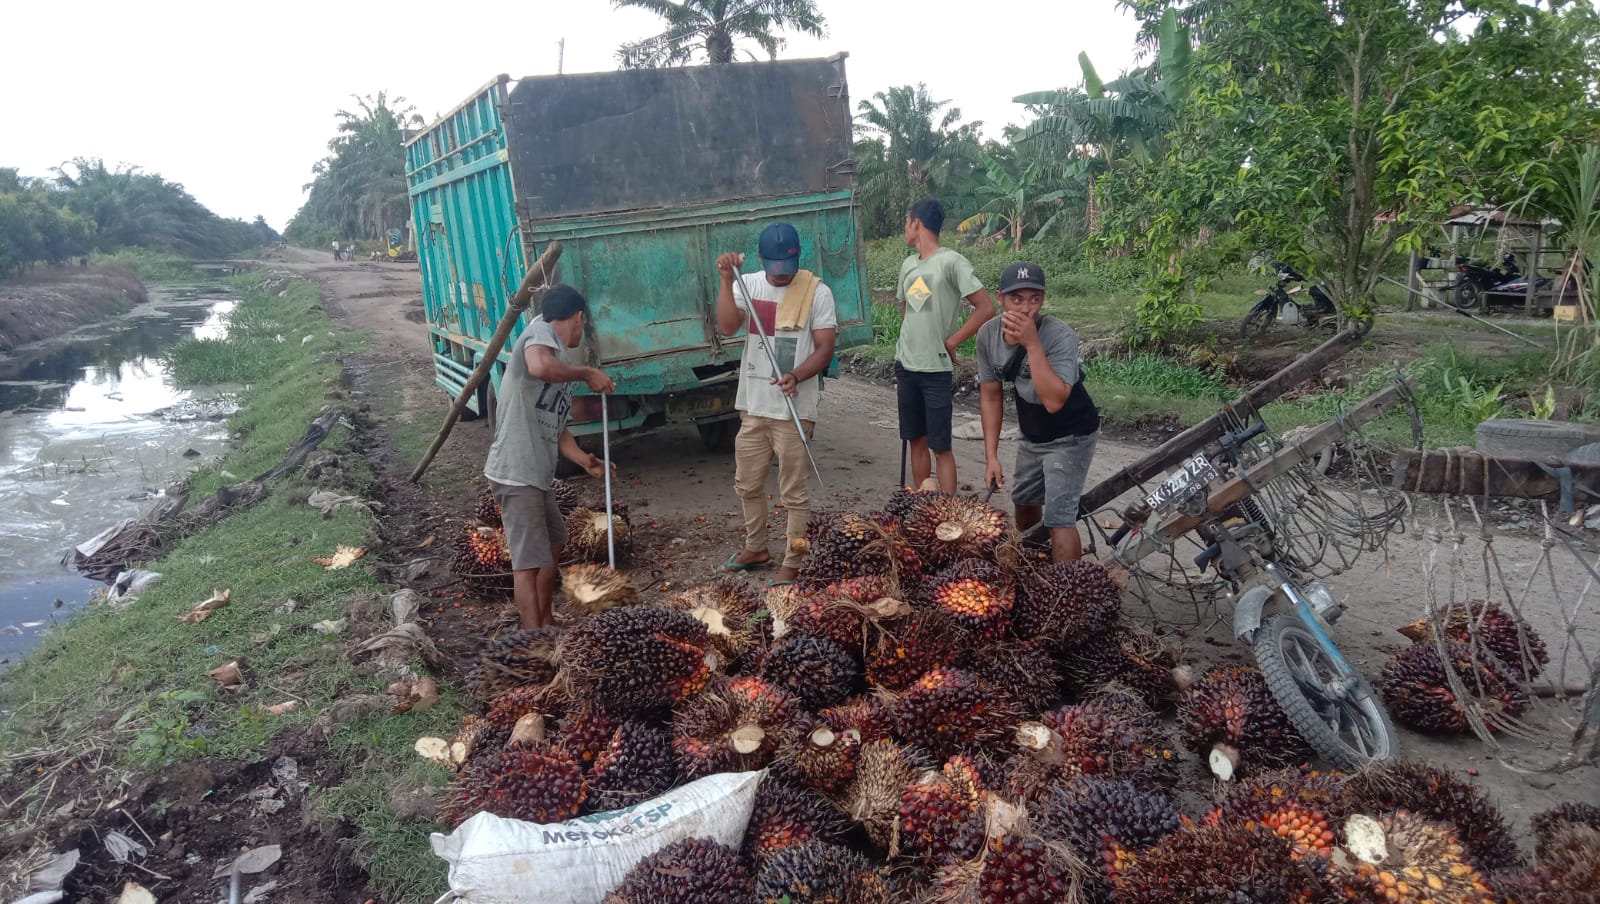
{"points": [[780, 583], [732, 565]]}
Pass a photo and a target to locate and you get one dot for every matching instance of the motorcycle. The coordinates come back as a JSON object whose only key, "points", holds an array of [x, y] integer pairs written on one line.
{"points": [[1281, 613], [1476, 280], [1278, 303]]}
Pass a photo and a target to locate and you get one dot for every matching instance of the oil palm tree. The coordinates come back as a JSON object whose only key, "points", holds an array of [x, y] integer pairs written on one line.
{"points": [[712, 28], [923, 135]]}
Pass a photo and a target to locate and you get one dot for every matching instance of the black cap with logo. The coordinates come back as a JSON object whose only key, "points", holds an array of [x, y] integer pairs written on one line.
{"points": [[1021, 275]]}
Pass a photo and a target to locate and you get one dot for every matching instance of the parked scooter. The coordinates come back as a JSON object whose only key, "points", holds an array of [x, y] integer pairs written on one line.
{"points": [[1477, 280], [1278, 303]]}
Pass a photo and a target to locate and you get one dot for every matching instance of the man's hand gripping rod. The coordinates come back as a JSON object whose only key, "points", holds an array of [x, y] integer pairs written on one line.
{"points": [[761, 335]]}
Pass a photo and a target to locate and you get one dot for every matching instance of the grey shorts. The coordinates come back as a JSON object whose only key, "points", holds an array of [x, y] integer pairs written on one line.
{"points": [[1052, 474], [534, 526]]}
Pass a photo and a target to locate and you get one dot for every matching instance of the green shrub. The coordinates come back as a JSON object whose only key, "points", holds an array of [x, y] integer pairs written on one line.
{"points": [[152, 266]]}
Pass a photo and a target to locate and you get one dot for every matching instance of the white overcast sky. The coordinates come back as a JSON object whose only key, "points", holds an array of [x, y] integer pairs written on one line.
{"points": [[236, 101]]}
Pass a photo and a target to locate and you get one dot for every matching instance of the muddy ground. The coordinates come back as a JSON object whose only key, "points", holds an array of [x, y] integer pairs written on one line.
{"points": [[686, 523], [51, 302], [684, 513]]}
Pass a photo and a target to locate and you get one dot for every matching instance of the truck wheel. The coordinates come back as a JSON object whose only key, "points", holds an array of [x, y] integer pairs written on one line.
{"points": [[1347, 727], [1532, 440], [718, 436]]}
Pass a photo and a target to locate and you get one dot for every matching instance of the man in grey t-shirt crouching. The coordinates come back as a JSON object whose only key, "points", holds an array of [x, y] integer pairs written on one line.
{"points": [[534, 404], [1038, 356]]}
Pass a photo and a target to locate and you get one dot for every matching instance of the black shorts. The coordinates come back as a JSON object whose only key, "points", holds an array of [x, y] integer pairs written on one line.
{"points": [[925, 405]]}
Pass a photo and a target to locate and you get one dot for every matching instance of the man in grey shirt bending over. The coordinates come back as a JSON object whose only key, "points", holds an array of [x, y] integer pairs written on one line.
{"points": [[535, 401], [1038, 356]]}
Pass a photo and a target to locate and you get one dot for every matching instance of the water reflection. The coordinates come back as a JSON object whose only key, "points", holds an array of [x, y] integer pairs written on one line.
{"points": [[83, 440]]}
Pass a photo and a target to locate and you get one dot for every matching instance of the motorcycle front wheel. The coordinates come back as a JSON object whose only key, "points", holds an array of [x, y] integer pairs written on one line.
{"points": [[1341, 718], [1258, 320]]}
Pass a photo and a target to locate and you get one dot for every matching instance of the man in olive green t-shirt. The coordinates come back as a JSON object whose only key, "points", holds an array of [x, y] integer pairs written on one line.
{"points": [[936, 284]]}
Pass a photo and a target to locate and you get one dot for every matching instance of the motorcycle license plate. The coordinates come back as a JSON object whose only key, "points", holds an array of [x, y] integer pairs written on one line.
{"points": [[1188, 481]]}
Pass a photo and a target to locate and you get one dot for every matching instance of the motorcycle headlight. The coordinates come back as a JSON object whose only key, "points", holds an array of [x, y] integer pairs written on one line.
{"points": [[1320, 598]]}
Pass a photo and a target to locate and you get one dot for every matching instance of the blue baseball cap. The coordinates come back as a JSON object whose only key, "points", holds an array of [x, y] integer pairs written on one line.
{"points": [[779, 249]]}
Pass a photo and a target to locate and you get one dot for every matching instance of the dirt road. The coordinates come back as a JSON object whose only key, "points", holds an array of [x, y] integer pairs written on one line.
{"points": [[683, 509]]}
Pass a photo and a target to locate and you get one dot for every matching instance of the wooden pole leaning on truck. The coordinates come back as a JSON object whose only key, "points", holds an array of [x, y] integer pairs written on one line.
{"points": [[538, 277]]}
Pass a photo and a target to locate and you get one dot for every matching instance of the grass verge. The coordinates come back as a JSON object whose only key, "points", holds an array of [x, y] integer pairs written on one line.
{"points": [[152, 266], [136, 679]]}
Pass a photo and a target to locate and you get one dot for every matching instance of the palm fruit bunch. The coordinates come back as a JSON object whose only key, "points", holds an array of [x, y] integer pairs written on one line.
{"points": [[590, 589], [734, 725], [1406, 859], [783, 816], [905, 500], [1569, 858], [728, 609], [482, 560], [1112, 736], [519, 782], [943, 814], [506, 708], [1013, 868], [1132, 657], [842, 611], [1303, 808], [843, 545], [883, 770], [1108, 822], [1066, 603], [1534, 886], [687, 871], [1021, 670], [584, 733], [867, 717], [636, 765], [1511, 639], [586, 535], [1418, 693], [1231, 717], [1434, 794], [815, 872], [949, 711], [1218, 865], [1561, 815], [515, 659], [566, 495], [1567, 849], [638, 658], [487, 511], [977, 595], [816, 670], [944, 529], [820, 758], [907, 648]]}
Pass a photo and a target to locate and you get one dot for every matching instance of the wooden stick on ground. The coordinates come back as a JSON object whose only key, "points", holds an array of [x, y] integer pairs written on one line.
{"points": [[537, 278]]}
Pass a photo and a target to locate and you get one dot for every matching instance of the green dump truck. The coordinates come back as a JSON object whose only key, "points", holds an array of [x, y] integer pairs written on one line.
{"points": [[643, 176]]}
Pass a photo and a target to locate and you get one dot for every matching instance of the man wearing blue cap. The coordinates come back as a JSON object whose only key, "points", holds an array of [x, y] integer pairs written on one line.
{"points": [[797, 315]]}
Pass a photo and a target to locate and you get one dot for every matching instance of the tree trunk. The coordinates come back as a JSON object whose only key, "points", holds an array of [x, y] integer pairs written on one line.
{"points": [[719, 47], [1091, 210]]}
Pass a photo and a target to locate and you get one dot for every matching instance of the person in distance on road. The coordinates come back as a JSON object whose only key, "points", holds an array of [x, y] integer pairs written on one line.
{"points": [[797, 314], [534, 404], [934, 281], [1038, 355]]}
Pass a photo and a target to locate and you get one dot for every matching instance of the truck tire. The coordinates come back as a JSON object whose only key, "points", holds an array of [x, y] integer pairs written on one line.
{"points": [[1532, 440], [718, 436]]}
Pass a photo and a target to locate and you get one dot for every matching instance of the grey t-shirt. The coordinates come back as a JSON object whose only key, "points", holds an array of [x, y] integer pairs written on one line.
{"points": [[1060, 347], [531, 415]]}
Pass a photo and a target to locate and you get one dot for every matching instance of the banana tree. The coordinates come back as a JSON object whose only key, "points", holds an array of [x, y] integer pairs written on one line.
{"points": [[1013, 202]]}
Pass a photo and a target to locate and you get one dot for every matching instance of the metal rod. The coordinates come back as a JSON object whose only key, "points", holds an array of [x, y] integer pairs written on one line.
{"points": [[605, 452], [1471, 316], [772, 358]]}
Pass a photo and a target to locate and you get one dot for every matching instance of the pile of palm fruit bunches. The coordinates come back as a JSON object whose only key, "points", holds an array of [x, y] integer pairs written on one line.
{"points": [[945, 717]]}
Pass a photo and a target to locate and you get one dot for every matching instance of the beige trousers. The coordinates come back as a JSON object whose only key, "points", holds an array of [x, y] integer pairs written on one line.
{"points": [[759, 439]]}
